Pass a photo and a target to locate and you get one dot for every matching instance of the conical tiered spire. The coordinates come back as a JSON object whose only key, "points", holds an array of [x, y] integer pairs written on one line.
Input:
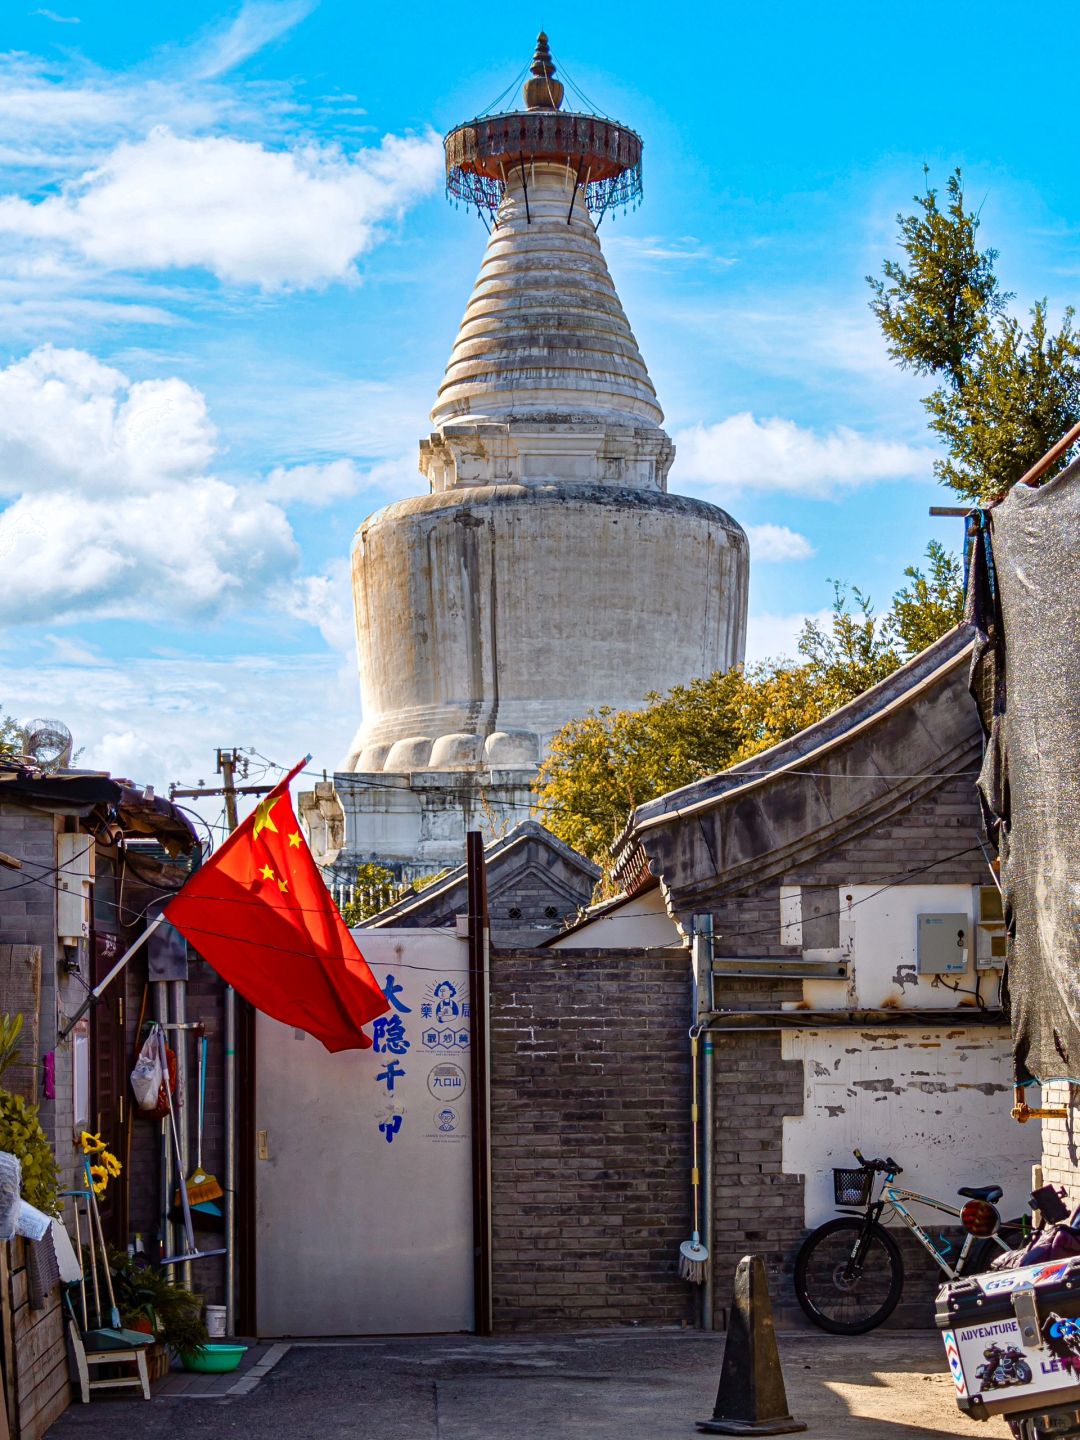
{"points": [[545, 383], [544, 330], [541, 91]]}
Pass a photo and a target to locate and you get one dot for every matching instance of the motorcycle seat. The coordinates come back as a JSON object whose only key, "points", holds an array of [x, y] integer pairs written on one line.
{"points": [[989, 1193]]}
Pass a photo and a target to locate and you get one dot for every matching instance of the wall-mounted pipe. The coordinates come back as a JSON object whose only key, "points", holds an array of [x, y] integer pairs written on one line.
{"points": [[703, 975]]}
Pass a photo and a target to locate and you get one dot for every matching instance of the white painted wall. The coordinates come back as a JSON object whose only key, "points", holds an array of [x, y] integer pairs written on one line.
{"points": [[937, 1100], [878, 931], [641, 922], [358, 1234]]}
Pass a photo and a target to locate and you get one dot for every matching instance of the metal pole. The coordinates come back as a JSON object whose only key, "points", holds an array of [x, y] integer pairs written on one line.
{"points": [[179, 1001], [480, 1068], [226, 764], [707, 1106], [103, 985], [168, 1233]]}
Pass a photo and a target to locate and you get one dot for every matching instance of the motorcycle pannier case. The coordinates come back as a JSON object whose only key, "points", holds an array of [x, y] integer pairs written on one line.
{"points": [[1012, 1338]]}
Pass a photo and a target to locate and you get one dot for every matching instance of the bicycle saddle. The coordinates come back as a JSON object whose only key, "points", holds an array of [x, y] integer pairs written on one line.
{"points": [[989, 1193]]}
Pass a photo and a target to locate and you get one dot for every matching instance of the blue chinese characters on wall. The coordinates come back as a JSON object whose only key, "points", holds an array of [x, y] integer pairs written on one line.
{"points": [[388, 1038]]}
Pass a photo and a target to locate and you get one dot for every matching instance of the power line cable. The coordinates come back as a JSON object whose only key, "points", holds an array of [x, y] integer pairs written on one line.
{"points": [[893, 882]]}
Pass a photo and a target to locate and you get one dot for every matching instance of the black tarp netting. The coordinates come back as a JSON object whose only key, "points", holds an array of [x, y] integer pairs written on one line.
{"points": [[1024, 599]]}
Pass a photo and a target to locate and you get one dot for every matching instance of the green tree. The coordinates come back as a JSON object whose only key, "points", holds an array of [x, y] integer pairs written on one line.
{"points": [[10, 735], [1007, 392], [932, 604], [376, 888], [856, 651], [603, 765]]}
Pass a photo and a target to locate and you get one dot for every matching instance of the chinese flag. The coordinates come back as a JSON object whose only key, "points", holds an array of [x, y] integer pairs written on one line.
{"points": [[259, 913]]}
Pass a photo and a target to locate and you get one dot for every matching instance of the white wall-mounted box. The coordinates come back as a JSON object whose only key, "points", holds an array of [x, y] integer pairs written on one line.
{"points": [[74, 878]]}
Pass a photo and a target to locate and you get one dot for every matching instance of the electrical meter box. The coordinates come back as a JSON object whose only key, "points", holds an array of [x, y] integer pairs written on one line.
{"points": [[943, 944], [990, 938]]}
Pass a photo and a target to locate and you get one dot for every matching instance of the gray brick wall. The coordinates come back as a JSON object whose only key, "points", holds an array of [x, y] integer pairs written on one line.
{"points": [[755, 1089], [590, 1137], [28, 917], [1061, 1140]]}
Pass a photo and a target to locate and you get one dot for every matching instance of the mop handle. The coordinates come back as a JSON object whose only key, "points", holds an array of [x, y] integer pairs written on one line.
{"points": [[104, 1257], [189, 1229], [203, 1042], [90, 1234], [695, 1174], [82, 1269]]}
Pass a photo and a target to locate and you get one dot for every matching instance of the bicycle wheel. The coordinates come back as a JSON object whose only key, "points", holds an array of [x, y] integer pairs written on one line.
{"points": [[843, 1294]]}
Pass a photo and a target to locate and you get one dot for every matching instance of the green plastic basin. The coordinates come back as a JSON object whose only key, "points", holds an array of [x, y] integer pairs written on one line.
{"points": [[215, 1359]]}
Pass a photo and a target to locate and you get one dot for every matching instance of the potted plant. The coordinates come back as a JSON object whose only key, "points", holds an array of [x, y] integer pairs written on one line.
{"points": [[148, 1302]]}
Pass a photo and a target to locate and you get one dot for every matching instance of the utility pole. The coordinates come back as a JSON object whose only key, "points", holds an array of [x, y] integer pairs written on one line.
{"points": [[230, 762], [226, 764]]}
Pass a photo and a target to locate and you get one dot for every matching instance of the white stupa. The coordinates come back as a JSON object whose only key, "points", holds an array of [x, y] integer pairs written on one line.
{"points": [[548, 571]]}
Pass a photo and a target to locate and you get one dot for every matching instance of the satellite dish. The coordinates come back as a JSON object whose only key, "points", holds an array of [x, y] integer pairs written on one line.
{"points": [[48, 744]]}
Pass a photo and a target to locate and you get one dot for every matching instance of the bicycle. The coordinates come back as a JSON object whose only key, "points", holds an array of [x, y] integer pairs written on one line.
{"points": [[849, 1273]]}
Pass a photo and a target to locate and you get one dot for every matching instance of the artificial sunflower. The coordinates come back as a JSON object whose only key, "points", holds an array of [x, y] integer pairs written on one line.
{"points": [[106, 1166]]}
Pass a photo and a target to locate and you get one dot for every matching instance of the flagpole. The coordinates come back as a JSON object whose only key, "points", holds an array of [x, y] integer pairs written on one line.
{"points": [[226, 762], [102, 985]]}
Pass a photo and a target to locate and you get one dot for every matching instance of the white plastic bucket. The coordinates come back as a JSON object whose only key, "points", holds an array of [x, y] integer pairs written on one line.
{"points": [[215, 1321]]}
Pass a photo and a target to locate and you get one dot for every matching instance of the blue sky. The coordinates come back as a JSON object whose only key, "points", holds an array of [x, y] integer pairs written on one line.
{"points": [[229, 283]]}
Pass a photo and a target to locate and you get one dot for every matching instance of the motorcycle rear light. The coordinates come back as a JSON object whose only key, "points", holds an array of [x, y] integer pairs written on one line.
{"points": [[979, 1218]]}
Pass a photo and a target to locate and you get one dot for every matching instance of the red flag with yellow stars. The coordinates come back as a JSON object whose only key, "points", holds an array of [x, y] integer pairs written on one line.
{"points": [[259, 913]]}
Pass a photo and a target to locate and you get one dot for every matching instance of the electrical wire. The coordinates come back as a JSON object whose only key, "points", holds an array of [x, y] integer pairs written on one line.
{"points": [[958, 989], [489, 109], [49, 870], [893, 882], [201, 819], [562, 70], [538, 808]]}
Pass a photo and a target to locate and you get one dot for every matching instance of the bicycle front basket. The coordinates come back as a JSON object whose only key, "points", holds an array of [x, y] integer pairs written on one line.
{"points": [[852, 1187]]}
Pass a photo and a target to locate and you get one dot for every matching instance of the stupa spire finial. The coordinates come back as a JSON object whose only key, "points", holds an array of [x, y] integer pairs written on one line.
{"points": [[542, 91]]}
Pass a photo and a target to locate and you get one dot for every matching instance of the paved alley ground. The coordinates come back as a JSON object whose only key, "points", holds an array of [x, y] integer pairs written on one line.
{"points": [[606, 1385]]}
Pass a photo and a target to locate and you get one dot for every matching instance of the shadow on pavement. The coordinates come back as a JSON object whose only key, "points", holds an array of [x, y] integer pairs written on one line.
{"points": [[611, 1385]]}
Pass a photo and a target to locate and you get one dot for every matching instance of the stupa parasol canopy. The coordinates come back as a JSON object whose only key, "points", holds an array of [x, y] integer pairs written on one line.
{"points": [[603, 157]]}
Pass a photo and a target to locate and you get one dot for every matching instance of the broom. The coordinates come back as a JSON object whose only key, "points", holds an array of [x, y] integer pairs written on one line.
{"points": [[693, 1255], [202, 1187]]}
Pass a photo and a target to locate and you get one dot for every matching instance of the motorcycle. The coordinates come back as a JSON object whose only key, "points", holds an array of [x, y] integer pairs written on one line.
{"points": [[1005, 1365]]}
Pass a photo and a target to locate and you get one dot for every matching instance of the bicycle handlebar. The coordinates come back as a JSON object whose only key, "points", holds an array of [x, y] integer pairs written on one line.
{"points": [[881, 1167]]}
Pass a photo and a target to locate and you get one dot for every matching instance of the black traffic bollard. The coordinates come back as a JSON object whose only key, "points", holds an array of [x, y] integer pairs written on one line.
{"points": [[751, 1399]]}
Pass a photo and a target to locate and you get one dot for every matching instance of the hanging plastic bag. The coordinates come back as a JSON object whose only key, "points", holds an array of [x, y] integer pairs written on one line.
{"points": [[148, 1078]]}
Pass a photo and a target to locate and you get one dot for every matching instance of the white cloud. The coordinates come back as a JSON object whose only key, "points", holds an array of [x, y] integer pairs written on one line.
{"points": [[156, 720], [55, 18], [318, 483], [777, 542], [325, 601], [248, 214], [193, 551], [69, 422], [649, 251], [115, 513], [773, 454], [255, 26], [776, 637]]}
